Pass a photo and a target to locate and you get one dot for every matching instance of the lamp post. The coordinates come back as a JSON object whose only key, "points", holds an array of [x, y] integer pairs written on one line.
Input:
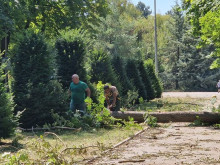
{"points": [[155, 33]]}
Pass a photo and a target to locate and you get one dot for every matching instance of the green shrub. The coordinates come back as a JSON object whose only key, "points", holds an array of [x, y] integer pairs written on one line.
{"points": [[146, 81], [101, 69], [119, 67], [7, 119], [134, 75], [155, 82], [34, 91], [71, 52]]}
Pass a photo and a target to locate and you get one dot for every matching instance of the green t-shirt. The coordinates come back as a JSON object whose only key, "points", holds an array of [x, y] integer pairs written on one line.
{"points": [[78, 92]]}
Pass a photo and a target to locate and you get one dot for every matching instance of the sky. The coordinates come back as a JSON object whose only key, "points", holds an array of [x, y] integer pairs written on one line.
{"points": [[162, 6]]}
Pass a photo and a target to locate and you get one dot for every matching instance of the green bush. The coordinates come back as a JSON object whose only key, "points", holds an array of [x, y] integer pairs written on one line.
{"points": [[134, 75], [146, 81], [155, 82], [7, 119], [102, 70], [119, 67], [71, 52], [35, 93]]}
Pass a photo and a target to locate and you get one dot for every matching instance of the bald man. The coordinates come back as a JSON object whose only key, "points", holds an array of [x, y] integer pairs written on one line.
{"points": [[78, 89]]}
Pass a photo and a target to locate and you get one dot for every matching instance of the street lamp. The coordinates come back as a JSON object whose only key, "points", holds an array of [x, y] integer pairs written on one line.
{"points": [[155, 33]]}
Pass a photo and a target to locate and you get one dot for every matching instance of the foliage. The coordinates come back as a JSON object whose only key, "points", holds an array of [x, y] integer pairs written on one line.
{"points": [[144, 9], [193, 76], [115, 34], [6, 20], [71, 56], [119, 68], [98, 110], [7, 118], [156, 84], [173, 48], [150, 120], [134, 76], [34, 90], [204, 16], [146, 81], [102, 70]]}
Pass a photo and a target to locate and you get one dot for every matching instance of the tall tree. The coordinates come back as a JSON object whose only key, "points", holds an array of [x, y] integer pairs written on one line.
{"points": [[204, 16], [173, 50], [35, 93], [144, 9], [102, 70], [71, 50], [134, 75], [7, 119], [146, 81], [119, 67], [194, 74]]}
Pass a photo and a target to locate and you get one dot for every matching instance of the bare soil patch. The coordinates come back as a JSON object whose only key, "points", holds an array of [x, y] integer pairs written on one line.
{"points": [[172, 143], [177, 144]]}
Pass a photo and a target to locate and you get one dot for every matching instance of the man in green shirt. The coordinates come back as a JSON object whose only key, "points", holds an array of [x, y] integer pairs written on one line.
{"points": [[78, 89]]}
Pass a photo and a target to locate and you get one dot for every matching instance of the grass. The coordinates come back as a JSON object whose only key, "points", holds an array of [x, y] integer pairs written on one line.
{"points": [[81, 145], [171, 104]]}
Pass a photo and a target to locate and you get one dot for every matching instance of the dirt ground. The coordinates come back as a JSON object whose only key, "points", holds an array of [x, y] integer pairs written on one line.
{"points": [[170, 144], [212, 98]]}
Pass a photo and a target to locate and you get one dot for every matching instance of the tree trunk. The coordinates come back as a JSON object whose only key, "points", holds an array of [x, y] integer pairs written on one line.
{"points": [[165, 117]]}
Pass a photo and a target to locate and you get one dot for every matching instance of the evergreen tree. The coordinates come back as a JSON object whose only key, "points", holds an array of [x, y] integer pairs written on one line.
{"points": [[7, 120], [35, 93], [195, 74], [102, 70], [173, 49], [119, 67], [71, 49], [70, 59], [155, 82], [144, 9], [146, 81], [134, 75]]}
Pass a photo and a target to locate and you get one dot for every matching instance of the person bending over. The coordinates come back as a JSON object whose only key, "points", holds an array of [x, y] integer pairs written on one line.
{"points": [[112, 98]]}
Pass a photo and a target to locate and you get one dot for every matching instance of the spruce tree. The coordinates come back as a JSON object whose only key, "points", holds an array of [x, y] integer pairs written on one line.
{"points": [[7, 119], [71, 57], [146, 81], [102, 70], [172, 52], [119, 67], [71, 53], [134, 75], [195, 75], [35, 93], [155, 82]]}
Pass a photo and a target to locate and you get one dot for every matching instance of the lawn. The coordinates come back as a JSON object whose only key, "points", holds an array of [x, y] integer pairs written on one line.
{"points": [[171, 104]]}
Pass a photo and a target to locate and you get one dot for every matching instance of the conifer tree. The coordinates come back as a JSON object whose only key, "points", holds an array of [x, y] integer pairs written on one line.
{"points": [[119, 67], [35, 93], [134, 75], [195, 74], [71, 57], [155, 82], [146, 81], [7, 119], [173, 49], [102, 70], [71, 48]]}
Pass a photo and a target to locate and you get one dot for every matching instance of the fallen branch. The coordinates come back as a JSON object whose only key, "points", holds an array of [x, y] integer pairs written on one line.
{"points": [[134, 161], [51, 128]]}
